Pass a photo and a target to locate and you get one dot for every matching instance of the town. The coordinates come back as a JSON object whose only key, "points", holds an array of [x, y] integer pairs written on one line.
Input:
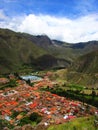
{"points": [[21, 101]]}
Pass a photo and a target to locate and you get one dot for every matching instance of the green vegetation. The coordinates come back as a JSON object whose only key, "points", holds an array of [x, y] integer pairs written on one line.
{"points": [[24, 121], [84, 123], [16, 50], [87, 63], [76, 87], [12, 83], [24, 53], [5, 123], [20, 52], [14, 114], [75, 92], [33, 119]]}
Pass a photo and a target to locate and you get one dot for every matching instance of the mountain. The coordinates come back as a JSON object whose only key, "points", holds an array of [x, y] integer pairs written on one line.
{"points": [[18, 51], [21, 50], [62, 50], [40, 40], [84, 70], [87, 63]]}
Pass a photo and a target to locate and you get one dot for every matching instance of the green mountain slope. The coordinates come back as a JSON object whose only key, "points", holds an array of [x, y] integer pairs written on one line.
{"points": [[62, 50], [87, 63], [16, 50], [38, 52], [85, 70]]}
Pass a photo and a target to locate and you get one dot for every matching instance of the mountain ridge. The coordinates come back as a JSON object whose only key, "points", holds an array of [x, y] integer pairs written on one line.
{"points": [[17, 49]]}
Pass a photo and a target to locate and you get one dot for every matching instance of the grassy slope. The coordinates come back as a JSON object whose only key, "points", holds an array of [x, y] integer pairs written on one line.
{"points": [[72, 51], [65, 75], [84, 123], [16, 50], [83, 71], [88, 63], [61, 49]]}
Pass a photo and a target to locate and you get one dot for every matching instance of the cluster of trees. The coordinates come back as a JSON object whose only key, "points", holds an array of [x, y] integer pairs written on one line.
{"points": [[5, 123], [75, 93], [33, 118]]}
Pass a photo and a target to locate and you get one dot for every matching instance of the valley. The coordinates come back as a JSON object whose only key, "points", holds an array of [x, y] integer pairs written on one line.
{"points": [[47, 83]]}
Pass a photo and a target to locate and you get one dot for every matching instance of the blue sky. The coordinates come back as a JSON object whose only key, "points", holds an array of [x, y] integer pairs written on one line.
{"points": [[68, 8], [67, 20]]}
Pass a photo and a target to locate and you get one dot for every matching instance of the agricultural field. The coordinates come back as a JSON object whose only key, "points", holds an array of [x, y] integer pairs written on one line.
{"points": [[84, 123]]}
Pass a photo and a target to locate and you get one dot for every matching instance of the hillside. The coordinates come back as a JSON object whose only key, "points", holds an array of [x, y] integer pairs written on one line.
{"points": [[61, 49], [87, 63], [16, 50], [84, 71], [20, 51], [77, 124], [60, 96], [72, 51]]}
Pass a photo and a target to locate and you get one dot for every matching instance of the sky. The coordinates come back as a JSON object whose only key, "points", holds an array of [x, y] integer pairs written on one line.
{"points": [[65, 20]]}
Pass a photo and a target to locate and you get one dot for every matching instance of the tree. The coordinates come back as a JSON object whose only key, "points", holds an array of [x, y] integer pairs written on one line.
{"points": [[24, 121], [83, 97], [93, 95], [35, 117], [28, 82]]}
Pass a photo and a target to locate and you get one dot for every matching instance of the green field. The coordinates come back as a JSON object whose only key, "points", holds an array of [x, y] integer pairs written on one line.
{"points": [[84, 123]]}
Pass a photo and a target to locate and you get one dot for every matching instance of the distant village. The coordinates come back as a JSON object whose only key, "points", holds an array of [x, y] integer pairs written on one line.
{"points": [[25, 100]]}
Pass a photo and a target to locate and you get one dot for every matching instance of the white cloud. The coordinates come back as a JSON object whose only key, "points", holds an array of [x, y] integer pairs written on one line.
{"points": [[76, 30]]}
